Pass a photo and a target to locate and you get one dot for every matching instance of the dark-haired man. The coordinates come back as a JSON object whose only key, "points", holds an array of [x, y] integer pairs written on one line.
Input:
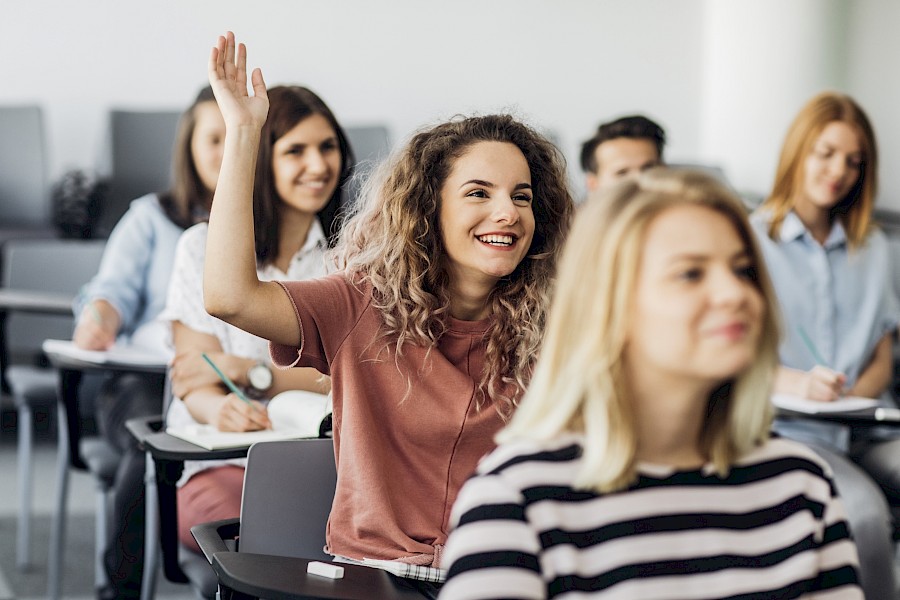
{"points": [[620, 149]]}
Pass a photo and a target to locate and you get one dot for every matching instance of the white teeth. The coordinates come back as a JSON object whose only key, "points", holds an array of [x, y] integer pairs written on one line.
{"points": [[497, 240], [313, 184]]}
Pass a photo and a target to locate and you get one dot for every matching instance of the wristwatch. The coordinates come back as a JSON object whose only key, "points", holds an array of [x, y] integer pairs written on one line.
{"points": [[260, 378]]}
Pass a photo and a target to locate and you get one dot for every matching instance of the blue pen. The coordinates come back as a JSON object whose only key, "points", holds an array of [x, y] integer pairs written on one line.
{"points": [[226, 380]]}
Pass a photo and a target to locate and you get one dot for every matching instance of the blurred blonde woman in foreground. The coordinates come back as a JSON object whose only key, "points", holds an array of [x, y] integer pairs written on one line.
{"points": [[639, 463]]}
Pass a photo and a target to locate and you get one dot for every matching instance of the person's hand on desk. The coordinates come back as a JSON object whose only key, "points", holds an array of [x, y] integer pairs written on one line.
{"points": [[819, 383], [97, 326], [190, 372], [236, 414]]}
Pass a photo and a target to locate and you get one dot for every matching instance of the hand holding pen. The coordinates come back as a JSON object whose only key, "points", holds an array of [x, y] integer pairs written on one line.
{"points": [[239, 413], [821, 382]]}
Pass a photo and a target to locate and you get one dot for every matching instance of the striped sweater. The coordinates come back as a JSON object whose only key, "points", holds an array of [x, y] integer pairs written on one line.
{"points": [[773, 528]]}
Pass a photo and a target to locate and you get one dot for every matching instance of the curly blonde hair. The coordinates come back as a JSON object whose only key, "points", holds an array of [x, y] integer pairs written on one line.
{"points": [[392, 241]]}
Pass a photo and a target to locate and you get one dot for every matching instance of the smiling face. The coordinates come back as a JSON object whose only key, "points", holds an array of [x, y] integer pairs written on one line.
{"points": [[697, 314], [831, 169], [486, 217], [208, 143], [620, 158], [306, 164]]}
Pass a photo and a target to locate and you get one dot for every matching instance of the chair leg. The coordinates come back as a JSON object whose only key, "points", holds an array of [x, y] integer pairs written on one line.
{"points": [[101, 536], [151, 531], [26, 484], [57, 532]]}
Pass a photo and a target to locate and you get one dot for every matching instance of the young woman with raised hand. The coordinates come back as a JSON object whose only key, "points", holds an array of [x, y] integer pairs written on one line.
{"points": [[639, 463], [304, 162], [831, 271], [429, 328], [123, 302]]}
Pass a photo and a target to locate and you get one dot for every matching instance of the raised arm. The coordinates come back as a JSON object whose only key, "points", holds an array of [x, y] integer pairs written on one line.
{"points": [[232, 291]]}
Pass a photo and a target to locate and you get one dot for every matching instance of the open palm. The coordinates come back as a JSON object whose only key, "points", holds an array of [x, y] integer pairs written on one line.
{"points": [[228, 78]]}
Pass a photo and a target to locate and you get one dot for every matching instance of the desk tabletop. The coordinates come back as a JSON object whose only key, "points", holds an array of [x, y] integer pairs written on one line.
{"points": [[285, 578], [871, 417], [163, 446], [64, 355], [48, 303]]}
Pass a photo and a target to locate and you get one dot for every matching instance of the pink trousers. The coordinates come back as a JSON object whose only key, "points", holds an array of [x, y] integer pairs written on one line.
{"points": [[210, 495]]}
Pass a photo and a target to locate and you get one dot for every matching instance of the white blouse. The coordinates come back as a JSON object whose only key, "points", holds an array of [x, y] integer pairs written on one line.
{"points": [[185, 304]]}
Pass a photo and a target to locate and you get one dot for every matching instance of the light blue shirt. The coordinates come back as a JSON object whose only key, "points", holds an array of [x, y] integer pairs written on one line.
{"points": [[136, 266], [842, 298]]}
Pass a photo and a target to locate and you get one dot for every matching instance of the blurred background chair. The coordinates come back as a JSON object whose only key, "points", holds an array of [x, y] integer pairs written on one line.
{"points": [[24, 197], [140, 146], [51, 266], [371, 144]]}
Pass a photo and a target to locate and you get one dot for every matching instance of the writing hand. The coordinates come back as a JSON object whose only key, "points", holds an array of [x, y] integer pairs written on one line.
{"points": [[822, 384], [237, 415], [228, 79], [97, 327]]}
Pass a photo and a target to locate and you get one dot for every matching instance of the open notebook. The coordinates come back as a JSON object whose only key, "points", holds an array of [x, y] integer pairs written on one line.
{"points": [[294, 414]]}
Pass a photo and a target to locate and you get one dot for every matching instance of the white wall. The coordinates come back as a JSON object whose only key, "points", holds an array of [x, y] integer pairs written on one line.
{"points": [[723, 76], [564, 65]]}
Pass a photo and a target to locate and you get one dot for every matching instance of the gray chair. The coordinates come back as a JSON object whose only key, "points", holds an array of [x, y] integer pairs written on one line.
{"points": [[24, 198], [371, 144], [288, 492], [140, 146], [51, 265]]}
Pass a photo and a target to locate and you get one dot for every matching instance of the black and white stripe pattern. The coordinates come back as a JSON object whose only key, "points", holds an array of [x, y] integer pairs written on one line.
{"points": [[772, 529]]}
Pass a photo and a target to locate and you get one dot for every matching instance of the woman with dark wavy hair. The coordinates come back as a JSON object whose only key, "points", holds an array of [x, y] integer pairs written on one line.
{"points": [[430, 328]]}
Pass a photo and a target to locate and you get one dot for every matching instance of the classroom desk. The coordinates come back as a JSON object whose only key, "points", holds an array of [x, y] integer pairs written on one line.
{"points": [[868, 417], [285, 578], [70, 373], [166, 456]]}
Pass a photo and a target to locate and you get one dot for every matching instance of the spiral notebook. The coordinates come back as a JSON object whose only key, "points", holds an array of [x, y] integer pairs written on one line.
{"points": [[294, 414]]}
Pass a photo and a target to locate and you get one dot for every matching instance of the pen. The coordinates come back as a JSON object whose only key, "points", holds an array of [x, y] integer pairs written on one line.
{"points": [[226, 380], [811, 347], [95, 313]]}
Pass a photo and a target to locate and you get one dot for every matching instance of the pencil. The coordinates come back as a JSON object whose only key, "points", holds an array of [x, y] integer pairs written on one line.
{"points": [[226, 380], [811, 347]]}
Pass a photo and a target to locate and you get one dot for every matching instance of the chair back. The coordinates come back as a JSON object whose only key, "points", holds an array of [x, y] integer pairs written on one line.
{"points": [[288, 491], [24, 200], [45, 265], [141, 144], [371, 144]]}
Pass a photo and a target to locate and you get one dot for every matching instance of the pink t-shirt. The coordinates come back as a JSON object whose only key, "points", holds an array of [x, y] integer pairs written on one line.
{"points": [[400, 462]]}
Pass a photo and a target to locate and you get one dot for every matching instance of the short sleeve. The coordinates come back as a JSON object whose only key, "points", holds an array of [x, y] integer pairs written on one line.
{"points": [[327, 309]]}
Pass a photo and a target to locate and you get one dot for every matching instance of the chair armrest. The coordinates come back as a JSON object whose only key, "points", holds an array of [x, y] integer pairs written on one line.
{"points": [[212, 536], [141, 427]]}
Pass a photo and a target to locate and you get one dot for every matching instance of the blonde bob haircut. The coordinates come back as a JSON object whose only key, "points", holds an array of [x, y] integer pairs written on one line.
{"points": [[579, 384], [855, 210]]}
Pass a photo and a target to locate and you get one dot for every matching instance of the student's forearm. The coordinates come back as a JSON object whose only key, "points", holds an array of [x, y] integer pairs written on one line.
{"points": [[877, 375], [205, 403]]}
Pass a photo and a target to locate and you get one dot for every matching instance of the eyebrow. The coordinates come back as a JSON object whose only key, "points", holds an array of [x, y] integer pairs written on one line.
{"points": [[488, 184], [832, 147], [744, 253]]}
